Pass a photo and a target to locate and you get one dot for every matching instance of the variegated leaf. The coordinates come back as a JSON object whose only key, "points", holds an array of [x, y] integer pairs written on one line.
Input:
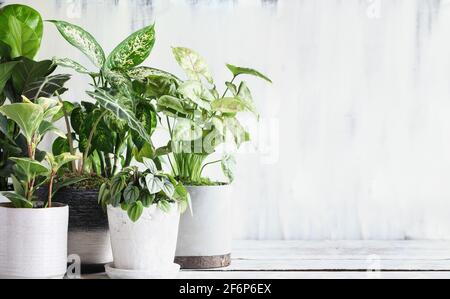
{"points": [[69, 63], [133, 50], [193, 64], [82, 40]]}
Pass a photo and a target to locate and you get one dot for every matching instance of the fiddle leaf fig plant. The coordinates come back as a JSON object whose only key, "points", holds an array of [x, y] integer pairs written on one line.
{"points": [[34, 122], [199, 119], [135, 190]]}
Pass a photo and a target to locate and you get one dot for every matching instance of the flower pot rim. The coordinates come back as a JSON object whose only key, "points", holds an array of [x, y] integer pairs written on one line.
{"points": [[55, 205]]}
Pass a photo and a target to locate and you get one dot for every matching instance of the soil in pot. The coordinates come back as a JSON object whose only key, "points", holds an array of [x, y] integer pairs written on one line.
{"points": [[88, 227]]}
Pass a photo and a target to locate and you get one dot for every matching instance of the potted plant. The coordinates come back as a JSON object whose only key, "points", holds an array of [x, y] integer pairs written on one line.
{"points": [[143, 213], [108, 133], [21, 75], [199, 120], [33, 234]]}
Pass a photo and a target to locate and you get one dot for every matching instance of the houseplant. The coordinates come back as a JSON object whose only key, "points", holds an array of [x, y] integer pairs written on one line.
{"points": [[109, 133], [21, 75], [33, 234], [199, 119], [143, 212]]}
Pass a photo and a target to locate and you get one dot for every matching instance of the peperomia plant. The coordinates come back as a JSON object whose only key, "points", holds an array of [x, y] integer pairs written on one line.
{"points": [[199, 119], [21, 30], [134, 190], [34, 121], [119, 125]]}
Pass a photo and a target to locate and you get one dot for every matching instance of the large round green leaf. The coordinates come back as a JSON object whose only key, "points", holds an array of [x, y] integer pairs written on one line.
{"points": [[27, 116], [21, 28]]}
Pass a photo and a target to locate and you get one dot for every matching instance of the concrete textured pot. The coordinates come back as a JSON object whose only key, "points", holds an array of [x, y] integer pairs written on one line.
{"points": [[88, 228], [147, 245], [33, 242], [205, 235]]}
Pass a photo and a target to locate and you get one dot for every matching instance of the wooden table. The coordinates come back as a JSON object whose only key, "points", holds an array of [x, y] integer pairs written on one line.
{"points": [[331, 259]]}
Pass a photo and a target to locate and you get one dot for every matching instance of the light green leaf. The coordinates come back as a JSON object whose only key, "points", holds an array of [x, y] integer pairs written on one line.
{"points": [[193, 64], [195, 92], [143, 72], [167, 187], [56, 162], [133, 50], [69, 63], [135, 211], [150, 165], [31, 168], [239, 133], [47, 127], [5, 73], [228, 105], [27, 116], [232, 88], [228, 167], [236, 70], [186, 130], [172, 104], [110, 103], [21, 28], [154, 184], [82, 40], [164, 206], [245, 95]]}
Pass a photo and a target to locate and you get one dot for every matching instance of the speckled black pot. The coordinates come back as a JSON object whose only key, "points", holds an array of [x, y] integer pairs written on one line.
{"points": [[88, 228]]}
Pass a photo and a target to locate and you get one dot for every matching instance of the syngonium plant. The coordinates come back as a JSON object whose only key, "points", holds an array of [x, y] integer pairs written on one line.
{"points": [[119, 125], [34, 121], [21, 30], [199, 119]]}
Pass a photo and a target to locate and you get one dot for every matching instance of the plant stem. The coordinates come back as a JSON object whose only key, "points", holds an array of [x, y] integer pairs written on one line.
{"points": [[210, 163], [91, 136], [226, 90], [69, 131], [50, 189]]}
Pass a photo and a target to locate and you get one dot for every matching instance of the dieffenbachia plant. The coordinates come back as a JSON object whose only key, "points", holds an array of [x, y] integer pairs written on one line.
{"points": [[21, 30], [134, 190], [199, 118], [122, 120], [34, 121]]}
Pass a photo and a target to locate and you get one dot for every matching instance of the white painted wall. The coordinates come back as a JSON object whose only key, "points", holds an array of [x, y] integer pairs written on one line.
{"points": [[359, 108]]}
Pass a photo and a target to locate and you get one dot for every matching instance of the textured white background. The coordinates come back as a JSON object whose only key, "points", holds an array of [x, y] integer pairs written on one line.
{"points": [[356, 127]]}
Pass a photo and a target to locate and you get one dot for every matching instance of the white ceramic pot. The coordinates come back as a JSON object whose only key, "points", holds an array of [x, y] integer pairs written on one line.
{"points": [[147, 244], [205, 235], [33, 242]]}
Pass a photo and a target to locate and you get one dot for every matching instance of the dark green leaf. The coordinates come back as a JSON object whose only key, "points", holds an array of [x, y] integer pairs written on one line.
{"points": [[135, 211], [236, 70], [131, 194]]}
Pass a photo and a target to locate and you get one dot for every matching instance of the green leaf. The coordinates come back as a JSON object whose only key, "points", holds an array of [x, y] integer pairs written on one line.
{"points": [[228, 105], [164, 150], [164, 206], [30, 168], [5, 51], [147, 199], [228, 167], [5, 73], [115, 199], [236, 70], [67, 107], [193, 64], [172, 104], [56, 162], [82, 40], [245, 95], [47, 127], [102, 191], [27, 116], [142, 73], [232, 88], [131, 194], [186, 130], [110, 103], [69, 63], [135, 211], [133, 50], [18, 187], [154, 184], [17, 200], [21, 27]]}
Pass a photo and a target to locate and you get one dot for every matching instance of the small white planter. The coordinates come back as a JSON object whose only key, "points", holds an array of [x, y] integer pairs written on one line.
{"points": [[147, 245], [205, 236], [33, 242]]}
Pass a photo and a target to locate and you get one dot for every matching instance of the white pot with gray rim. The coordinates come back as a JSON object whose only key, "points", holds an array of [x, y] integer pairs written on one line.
{"points": [[33, 242], [145, 248], [205, 235]]}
